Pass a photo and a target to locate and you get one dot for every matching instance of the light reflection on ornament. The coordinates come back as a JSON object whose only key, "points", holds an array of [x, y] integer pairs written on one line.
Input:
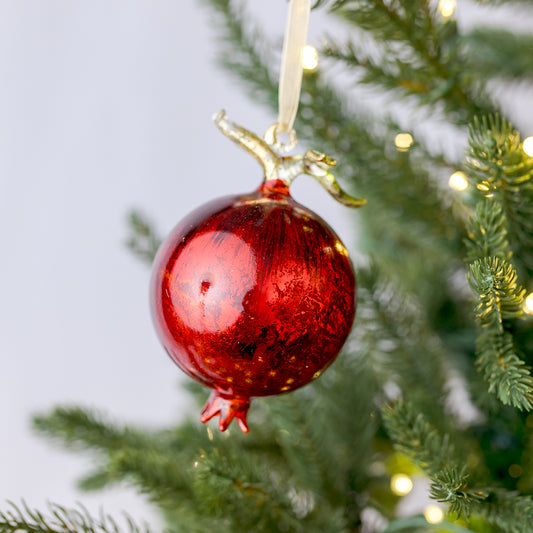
{"points": [[401, 484], [309, 58], [528, 146], [458, 181], [447, 7], [403, 141], [433, 514]]}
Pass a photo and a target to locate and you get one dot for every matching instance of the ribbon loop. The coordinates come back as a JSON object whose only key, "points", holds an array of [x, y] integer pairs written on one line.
{"points": [[290, 80]]}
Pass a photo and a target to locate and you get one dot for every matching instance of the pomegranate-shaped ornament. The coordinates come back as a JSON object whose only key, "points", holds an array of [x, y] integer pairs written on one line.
{"points": [[254, 295]]}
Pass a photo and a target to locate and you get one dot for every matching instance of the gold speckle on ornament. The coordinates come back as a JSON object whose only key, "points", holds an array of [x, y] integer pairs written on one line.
{"points": [[341, 249]]}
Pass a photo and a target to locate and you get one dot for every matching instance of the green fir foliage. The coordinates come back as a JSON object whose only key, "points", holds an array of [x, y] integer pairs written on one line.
{"points": [[497, 53], [62, 520], [500, 170], [143, 241], [451, 481], [488, 233], [418, 54], [500, 297]]}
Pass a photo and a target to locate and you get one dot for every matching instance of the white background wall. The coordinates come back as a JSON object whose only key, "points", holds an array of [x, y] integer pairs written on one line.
{"points": [[105, 105]]}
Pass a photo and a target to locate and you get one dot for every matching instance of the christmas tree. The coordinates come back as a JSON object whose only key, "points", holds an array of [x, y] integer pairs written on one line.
{"points": [[444, 305]]}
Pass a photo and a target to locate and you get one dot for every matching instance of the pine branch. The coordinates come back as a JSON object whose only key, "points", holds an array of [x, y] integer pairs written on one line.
{"points": [[416, 438], [143, 241], [258, 490], [435, 454], [497, 53], [158, 463], [500, 169], [234, 485], [500, 297], [507, 375], [488, 233], [163, 476], [84, 429], [62, 520], [419, 55], [397, 333], [450, 482], [168, 467], [508, 511], [450, 486]]}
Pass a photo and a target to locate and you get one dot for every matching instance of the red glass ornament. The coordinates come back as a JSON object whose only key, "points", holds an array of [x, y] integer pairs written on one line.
{"points": [[252, 295]]}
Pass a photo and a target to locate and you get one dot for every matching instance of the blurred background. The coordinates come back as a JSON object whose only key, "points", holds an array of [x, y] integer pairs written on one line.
{"points": [[106, 106]]}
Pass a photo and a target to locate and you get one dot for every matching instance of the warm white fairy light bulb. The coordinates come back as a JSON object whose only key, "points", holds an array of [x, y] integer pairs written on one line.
{"points": [[403, 141], [401, 484], [528, 146], [433, 514], [458, 181], [309, 57], [447, 7], [528, 304]]}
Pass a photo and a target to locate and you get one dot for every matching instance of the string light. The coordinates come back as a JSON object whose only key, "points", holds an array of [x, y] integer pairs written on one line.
{"points": [[309, 58], [401, 484], [528, 146], [433, 514], [447, 7], [403, 141], [458, 181], [528, 304]]}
